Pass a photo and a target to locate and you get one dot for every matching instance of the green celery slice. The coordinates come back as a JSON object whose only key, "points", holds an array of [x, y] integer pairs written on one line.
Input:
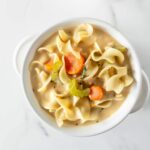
{"points": [[74, 91], [57, 65]]}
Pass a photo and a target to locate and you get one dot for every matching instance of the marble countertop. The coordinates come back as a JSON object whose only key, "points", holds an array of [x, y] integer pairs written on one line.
{"points": [[19, 128]]}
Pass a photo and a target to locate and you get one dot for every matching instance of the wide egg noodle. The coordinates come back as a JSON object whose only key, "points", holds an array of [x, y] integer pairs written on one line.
{"points": [[65, 48], [82, 32], [119, 97], [110, 54], [127, 80], [90, 65], [36, 63], [64, 78], [47, 48], [44, 85], [97, 47], [95, 114], [104, 73], [50, 101], [60, 44], [42, 57], [118, 82], [102, 103], [96, 52], [63, 35], [75, 100], [69, 49], [88, 42], [83, 108], [61, 90], [41, 76], [60, 116], [54, 56], [69, 110], [91, 69]]}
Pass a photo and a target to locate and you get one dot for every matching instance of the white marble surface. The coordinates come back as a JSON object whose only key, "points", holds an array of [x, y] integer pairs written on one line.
{"points": [[19, 128]]}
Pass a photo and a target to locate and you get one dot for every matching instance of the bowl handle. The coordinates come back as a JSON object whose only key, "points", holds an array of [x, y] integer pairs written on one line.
{"points": [[20, 52], [144, 95]]}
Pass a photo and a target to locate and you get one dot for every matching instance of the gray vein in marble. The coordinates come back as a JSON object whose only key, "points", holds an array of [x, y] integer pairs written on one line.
{"points": [[19, 131], [42, 128], [27, 7], [113, 16], [38, 123], [120, 142]]}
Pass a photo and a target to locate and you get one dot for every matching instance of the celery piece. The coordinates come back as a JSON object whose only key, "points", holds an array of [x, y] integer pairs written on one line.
{"points": [[120, 47], [57, 65], [74, 91], [54, 76]]}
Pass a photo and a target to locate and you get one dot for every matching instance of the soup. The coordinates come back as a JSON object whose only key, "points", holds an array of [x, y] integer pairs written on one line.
{"points": [[81, 75]]}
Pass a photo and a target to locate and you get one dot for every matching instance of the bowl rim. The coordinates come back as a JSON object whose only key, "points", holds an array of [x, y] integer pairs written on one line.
{"points": [[63, 23]]}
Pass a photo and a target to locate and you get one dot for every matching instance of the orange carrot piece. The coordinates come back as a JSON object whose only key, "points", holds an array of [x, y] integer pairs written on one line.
{"points": [[96, 92], [74, 65], [48, 65]]}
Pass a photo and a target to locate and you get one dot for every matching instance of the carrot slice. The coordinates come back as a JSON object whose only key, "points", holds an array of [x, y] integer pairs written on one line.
{"points": [[96, 92], [48, 65], [74, 65]]}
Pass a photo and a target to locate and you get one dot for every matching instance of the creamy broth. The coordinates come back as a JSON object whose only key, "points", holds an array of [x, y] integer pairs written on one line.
{"points": [[80, 106]]}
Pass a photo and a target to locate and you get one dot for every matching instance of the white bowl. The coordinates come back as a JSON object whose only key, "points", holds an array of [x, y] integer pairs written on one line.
{"points": [[25, 52]]}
